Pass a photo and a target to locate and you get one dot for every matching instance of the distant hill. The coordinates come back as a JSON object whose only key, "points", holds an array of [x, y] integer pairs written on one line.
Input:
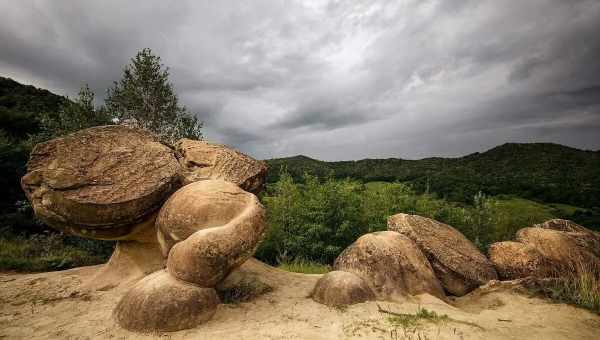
{"points": [[19, 105], [540, 171]]}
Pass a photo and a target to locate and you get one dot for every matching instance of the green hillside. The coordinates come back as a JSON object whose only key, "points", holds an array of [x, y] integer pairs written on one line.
{"points": [[19, 107], [539, 171]]}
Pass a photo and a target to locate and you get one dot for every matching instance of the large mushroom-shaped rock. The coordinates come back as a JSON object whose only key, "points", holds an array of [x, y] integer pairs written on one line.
{"points": [[585, 238], [202, 160], [206, 229], [160, 302], [105, 183], [458, 264], [391, 264], [100, 182], [339, 288], [559, 248], [515, 260]]}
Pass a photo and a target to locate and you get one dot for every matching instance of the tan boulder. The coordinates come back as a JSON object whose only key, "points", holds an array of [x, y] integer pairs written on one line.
{"points": [[339, 288], [100, 182], [225, 224], [515, 260], [198, 206], [558, 247], [202, 160], [585, 238], [107, 183], [391, 264], [160, 302], [457, 263]]}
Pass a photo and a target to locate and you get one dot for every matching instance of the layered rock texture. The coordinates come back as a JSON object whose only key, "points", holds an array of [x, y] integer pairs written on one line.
{"points": [[546, 250], [103, 182], [457, 263], [109, 182], [391, 264], [202, 160]]}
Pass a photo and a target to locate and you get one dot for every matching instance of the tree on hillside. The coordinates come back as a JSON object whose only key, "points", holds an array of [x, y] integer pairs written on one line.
{"points": [[72, 116], [145, 95]]}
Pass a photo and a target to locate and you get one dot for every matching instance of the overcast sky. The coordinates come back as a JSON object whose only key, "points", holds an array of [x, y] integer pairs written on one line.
{"points": [[335, 80]]}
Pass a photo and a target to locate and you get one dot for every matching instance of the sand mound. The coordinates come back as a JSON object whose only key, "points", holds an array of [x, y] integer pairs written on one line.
{"points": [[52, 305]]}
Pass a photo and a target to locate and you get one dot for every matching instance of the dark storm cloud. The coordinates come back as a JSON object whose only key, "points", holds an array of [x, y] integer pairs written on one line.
{"points": [[338, 79]]}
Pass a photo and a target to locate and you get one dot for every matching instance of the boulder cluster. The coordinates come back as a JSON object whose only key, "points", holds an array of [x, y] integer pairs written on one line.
{"points": [[420, 255], [416, 255], [191, 209], [549, 249], [186, 216]]}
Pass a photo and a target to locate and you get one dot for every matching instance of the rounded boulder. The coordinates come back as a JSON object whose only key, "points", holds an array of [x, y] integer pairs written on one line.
{"points": [[338, 288], [100, 182], [515, 260], [391, 264], [159, 302], [208, 228], [457, 263], [202, 160]]}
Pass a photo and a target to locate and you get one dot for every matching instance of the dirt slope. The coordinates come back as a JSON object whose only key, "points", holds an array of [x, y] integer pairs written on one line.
{"points": [[51, 305]]}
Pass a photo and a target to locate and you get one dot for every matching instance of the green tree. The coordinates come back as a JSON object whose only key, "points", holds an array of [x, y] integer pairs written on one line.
{"points": [[72, 116], [145, 96]]}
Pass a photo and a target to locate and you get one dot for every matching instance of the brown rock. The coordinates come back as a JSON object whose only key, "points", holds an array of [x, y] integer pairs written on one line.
{"points": [[198, 206], [458, 264], [391, 264], [558, 247], [203, 160], [515, 260], [100, 182], [339, 288], [585, 238], [229, 224], [160, 302]]}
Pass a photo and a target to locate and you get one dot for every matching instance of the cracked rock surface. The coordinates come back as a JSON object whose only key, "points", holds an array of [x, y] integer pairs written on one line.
{"points": [[100, 182]]}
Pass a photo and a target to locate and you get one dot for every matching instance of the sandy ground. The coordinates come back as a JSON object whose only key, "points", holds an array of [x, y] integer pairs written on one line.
{"points": [[51, 305]]}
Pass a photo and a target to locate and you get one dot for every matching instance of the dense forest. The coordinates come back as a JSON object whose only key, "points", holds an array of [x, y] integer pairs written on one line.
{"points": [[540, 171]]}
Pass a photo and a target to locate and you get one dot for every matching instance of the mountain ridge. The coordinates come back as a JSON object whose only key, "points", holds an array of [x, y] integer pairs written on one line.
{"points": [[547, 172]]}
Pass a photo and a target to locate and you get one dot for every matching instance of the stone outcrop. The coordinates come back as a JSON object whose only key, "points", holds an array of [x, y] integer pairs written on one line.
{"points": [[585, 238], [457, 263], [160, 302], [202, 160], [100, 182], [391, 264], [515, 260], [229, 222], [338, 288], [556, 246], [107, 183], [206, 229], [553, 248]]}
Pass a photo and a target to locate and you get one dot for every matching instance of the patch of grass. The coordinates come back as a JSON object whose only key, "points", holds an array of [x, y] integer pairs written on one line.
{"points": [[43, 253], [579, 287], [304, 267], [245, 290], [413, 320]]}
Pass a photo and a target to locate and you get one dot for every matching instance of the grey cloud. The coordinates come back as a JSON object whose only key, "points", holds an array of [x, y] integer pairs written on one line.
{"points": [[336, 79]]}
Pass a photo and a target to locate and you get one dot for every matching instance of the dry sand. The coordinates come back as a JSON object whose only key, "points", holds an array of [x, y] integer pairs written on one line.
{"points": [[53, 305]]}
